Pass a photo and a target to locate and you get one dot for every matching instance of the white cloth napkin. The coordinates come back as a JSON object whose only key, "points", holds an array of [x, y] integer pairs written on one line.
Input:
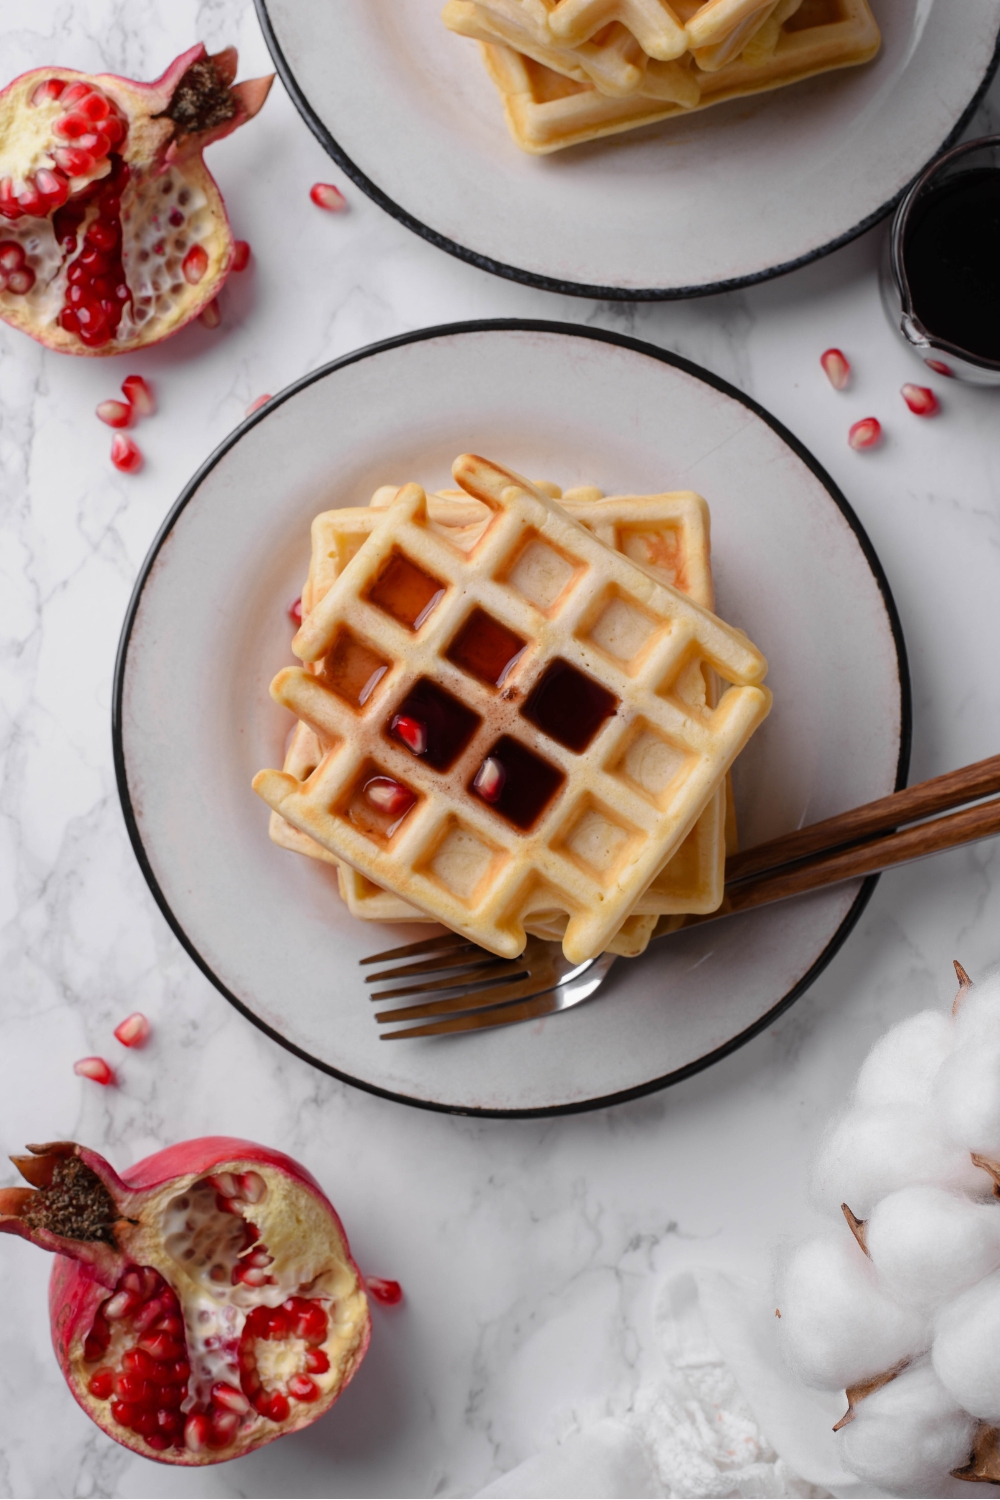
{"points": [[723, 1417]]}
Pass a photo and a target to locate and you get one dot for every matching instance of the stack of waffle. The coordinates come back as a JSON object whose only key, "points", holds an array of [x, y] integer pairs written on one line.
{"points": [[571, 70], [510, 715]]}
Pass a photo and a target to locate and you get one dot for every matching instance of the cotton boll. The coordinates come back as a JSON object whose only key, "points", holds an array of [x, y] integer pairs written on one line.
{"points": [[901, 1066], [967, 1096], [928, 1245], [876, 1151], [836, 1326], [978, 1018], [907, 1437], [966, 1348]]}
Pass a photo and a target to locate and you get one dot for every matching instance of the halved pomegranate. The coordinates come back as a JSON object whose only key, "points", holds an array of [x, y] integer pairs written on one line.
{"points": [[202, 1304], [113, 234]]}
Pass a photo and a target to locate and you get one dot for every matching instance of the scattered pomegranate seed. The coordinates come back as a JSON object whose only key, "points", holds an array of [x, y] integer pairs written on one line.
{"points": [[94, 1068], [256, 406], [937, 365], [921, 400], [866, 433], [489, 779], [388, 796], [386, 1292], [837, 367], [295, 612], [134, 1030], [241, 255], [211, 316], [125, 455], [325, 195], [411, 732], [195, 264], [140, 394], [115, 413]]}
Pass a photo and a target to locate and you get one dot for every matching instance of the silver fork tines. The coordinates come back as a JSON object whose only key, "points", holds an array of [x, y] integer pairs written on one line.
{"points": [[475, 989]]}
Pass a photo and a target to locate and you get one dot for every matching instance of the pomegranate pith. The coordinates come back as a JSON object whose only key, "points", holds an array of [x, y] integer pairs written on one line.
{"points": [[204, 1303], [122, 231]]}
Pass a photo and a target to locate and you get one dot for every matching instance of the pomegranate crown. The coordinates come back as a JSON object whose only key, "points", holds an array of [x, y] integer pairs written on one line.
{"points": [[201, 100], [72, 1206]]}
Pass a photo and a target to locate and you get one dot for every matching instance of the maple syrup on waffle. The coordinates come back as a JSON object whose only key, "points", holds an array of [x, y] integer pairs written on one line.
{"points": [[405, 591], [445, 724], [486, 649], [951, 260], [528, 783], [568, 705]]}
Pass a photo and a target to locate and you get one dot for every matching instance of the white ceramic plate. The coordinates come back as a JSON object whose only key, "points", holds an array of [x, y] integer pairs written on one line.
{"points": [[726, 197], [207, 629]]}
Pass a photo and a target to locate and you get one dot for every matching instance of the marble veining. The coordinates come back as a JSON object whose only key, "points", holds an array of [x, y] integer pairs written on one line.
{"points": [[530, 1250]]}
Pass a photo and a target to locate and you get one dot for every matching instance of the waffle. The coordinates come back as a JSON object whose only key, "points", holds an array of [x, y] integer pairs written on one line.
{"points": [[668, 533], [565, 782], [612, 60], [547, 111]]}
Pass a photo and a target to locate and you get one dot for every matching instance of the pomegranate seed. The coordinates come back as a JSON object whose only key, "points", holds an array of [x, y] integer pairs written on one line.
{"points": [[96, 142], [21, 281], [225, 1183], [161, 1346], [241, 255], [114, 129], [120, 1305], [388, 796], [250, 1275], [74, 160], [317, 1363], [303, 1389], [95, 107], [295, 612], [211, 316], [95, 1068], [125, 455], [225, 1425], [259, 1258], [195, 264], [50, 89], [939, 367], [9, 206], [837, 367], [229, 1397], [325, 195], [310, 1321], [179, 1373], [278, 1408], [31, 201], [866, 433], [148, 1315], [252, 1187], [11, 255], [196, 1432], [116, 414], [101, 1383], [140, 393], [134, 1030], [411, 732], [72, 126], [75, 92], [256, 406], [490, 778], [123, 1413], [921, 400], [387, 1292], [138, 1362], [53, 187]]}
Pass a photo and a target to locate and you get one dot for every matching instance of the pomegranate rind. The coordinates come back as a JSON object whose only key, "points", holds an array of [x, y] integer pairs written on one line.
{"points": [[301, 1230], [155, 152]]}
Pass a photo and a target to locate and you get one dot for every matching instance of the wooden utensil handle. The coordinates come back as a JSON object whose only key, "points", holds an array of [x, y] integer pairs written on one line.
{"points": [[921, 801]]}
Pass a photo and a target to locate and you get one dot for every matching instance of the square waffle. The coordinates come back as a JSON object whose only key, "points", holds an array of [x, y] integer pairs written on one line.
{"points": [[547, 111], [560, 779], [668, 533]]}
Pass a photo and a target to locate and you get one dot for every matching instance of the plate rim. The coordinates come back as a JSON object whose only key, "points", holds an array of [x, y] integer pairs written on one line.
{"points": [[579, 288], [422, 335]]}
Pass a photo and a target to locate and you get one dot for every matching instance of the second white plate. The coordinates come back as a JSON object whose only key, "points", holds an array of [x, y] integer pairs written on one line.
{"points": [[728, 196], [208, 628]]}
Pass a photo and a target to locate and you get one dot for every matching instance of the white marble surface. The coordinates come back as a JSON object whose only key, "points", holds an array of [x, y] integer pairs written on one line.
{"points": [[530, 1251]]}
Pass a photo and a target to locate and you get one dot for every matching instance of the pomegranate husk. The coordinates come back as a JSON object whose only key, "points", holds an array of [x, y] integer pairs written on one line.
{"points": [[169, 123], [102, 1225]]}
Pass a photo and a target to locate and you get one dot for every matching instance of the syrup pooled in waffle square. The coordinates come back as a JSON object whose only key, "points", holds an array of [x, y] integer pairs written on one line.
{"points": [[668, 533], [527, 744], [547, 110]]}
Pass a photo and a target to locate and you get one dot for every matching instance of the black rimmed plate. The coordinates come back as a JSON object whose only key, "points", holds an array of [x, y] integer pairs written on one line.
{"points": [[208, 627], [726, 197]]}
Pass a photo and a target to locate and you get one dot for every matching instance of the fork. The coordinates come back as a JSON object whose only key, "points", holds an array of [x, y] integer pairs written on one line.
{"points": [[475, 990]]}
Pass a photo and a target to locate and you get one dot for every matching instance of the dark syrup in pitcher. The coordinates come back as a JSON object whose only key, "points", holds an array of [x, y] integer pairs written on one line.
{"points": [[951, 256]]}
